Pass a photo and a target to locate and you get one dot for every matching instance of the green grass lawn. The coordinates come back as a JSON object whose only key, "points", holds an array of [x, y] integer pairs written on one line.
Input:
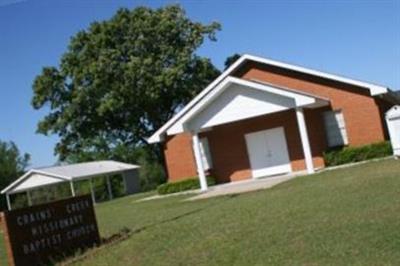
{"points": [[340, 217]]}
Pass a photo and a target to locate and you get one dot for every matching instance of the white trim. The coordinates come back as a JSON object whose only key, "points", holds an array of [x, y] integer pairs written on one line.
{"points": [[179, 126], [16, 182], [304, 140], [373, 88], [199, 162]]}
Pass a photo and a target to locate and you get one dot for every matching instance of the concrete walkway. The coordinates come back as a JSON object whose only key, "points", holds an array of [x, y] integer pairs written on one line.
{"points": [[154, 197], [246, 185], [231, 188]]}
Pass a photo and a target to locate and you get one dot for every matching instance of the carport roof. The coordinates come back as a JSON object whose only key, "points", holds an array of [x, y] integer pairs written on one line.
{"points": [[40, 177]]}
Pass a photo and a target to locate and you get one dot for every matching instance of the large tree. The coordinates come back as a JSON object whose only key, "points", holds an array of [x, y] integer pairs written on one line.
{"points": [[122, 79], [12, 165]]}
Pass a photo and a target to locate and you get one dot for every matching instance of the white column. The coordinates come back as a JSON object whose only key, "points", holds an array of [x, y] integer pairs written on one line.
{"points": [[28, 195], [110, 195], [71, 183], [8, 201], [304, 140], [92, 191], [199, 162]]}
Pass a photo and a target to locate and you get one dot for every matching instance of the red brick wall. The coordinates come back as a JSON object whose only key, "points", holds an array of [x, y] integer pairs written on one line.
{"points": [[361, 113], [179, 157]]}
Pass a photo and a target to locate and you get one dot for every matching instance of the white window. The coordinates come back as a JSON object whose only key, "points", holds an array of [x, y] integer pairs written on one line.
{"points": [[205, 154], [335, 128]]}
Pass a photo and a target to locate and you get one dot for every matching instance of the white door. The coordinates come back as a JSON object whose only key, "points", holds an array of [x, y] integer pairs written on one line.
{"points": [[268, 152]]}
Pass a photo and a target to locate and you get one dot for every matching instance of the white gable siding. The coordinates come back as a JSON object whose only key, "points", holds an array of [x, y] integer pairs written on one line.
{"points": [[36, 180], [237, 103]]}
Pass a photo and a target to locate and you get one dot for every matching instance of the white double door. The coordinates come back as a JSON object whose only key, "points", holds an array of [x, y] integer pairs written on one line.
{"points": [[268, 152]]}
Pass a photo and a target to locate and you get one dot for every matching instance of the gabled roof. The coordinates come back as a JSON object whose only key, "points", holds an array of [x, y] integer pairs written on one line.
{"points": [[297, 99], [45, 176], [372, 88]]}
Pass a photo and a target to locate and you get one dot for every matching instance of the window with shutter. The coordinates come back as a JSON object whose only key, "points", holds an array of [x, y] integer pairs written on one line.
{"points": [[335, 127]]}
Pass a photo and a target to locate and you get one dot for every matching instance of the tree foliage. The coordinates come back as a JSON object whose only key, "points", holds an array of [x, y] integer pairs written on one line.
{"points": [[12, 165], [122, 79], [231, 59]]}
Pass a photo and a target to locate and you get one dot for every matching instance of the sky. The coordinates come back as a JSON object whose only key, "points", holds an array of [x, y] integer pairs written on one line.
{"points": [[357, 39]]}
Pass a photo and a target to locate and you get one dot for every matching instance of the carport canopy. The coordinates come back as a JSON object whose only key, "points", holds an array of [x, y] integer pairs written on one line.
{"points": [[42, 177]]}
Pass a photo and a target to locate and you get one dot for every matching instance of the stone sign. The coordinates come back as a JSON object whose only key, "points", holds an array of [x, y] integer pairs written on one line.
{"points": [[39, 234]]}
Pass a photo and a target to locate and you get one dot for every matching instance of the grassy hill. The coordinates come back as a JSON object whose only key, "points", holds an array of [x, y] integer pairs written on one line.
{"points": [[345, 216], [342, 217]]}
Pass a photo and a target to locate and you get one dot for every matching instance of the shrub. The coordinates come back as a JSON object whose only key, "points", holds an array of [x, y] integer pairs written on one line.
{"points": [[151, 174], [357, 154], [188, 184]]}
